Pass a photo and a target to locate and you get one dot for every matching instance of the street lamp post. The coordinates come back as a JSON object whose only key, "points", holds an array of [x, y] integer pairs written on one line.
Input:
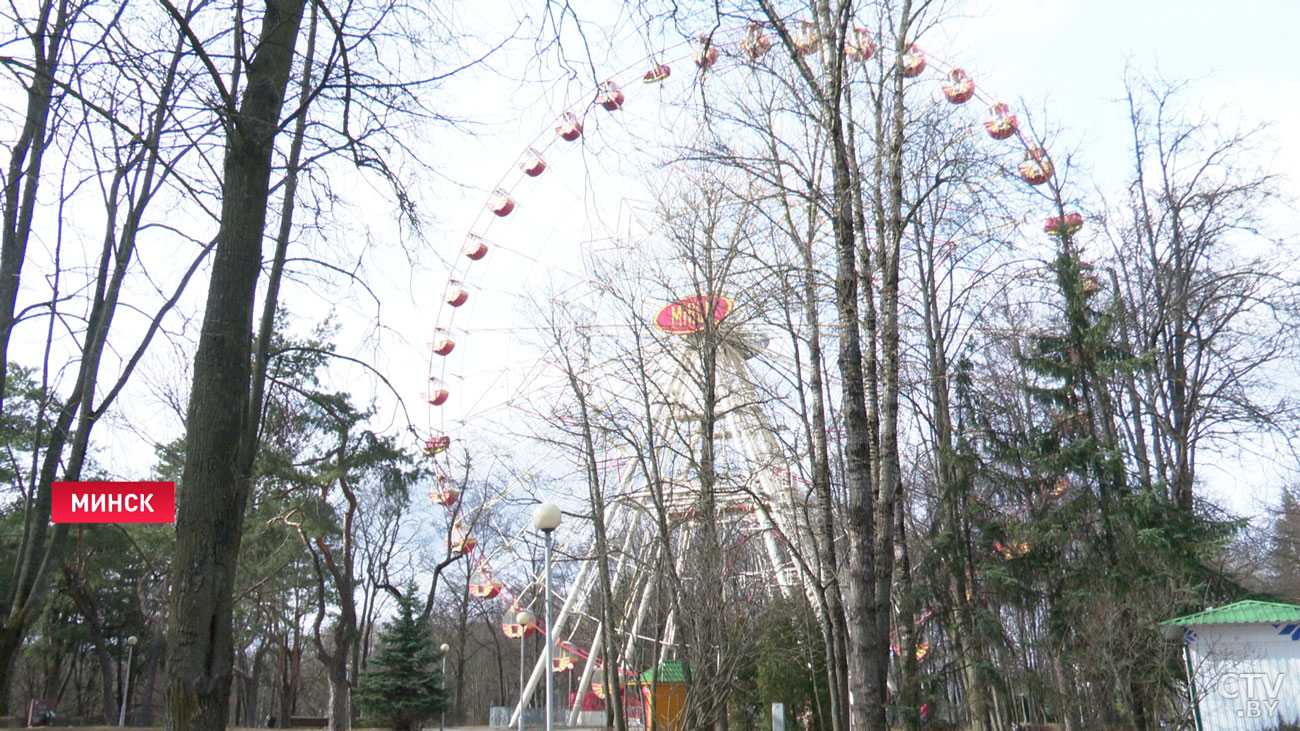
{"points": [[442, 720], [546, 518], [524, 619], [126, 687]]}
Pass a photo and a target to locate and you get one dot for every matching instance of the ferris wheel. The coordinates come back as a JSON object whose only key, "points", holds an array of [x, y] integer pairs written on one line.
{"points": [[624, 134]]}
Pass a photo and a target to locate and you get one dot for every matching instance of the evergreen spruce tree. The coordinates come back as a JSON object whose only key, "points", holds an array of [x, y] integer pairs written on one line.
{"points": [[403, 685], [1074, 537]]}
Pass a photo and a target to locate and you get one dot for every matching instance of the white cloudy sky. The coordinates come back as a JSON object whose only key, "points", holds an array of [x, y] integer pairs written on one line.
{"points": [[1241, 58], [1242, 62], [1065, 57], [1061, 60]]}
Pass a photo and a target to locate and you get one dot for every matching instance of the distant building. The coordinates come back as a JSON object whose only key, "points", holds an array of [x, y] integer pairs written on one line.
{"points": [[1243, 661]]}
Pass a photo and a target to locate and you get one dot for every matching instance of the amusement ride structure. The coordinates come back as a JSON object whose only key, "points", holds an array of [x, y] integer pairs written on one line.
{"points": [[757, 500]]}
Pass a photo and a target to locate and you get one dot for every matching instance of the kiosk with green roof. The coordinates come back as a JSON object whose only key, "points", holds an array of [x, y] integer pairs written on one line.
{"points": [[1243, 664], [664, 692]]}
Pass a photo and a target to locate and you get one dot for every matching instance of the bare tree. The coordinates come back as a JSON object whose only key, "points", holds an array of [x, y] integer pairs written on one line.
{"points": [[133, 170], [360, 101], [1209, 297]]}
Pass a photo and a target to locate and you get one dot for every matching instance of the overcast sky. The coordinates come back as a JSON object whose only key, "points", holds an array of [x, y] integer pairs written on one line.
{"points": [[1241, 58], [1242, 62], [1064, 62]]}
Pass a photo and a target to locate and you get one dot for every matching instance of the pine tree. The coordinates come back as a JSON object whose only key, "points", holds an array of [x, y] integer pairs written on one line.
{"points": [[403, 685]]}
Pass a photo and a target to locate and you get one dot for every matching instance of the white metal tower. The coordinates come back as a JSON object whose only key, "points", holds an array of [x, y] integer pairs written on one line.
{"points": [[755, 496]]}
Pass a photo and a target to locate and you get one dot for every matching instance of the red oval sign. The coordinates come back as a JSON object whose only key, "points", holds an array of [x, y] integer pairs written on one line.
{"points": [[687, 315]]}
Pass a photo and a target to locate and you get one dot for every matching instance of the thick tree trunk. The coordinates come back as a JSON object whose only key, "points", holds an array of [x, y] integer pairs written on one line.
{"points": [[864, 659], [215, 482], [340, 705], [10, 640]]}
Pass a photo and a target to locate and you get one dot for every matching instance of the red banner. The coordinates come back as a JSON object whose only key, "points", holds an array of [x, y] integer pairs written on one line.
{"points": [[114, 502]]}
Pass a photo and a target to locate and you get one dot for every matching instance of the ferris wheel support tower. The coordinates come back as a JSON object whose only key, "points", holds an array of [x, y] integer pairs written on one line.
{"points": [[757, 495]]}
